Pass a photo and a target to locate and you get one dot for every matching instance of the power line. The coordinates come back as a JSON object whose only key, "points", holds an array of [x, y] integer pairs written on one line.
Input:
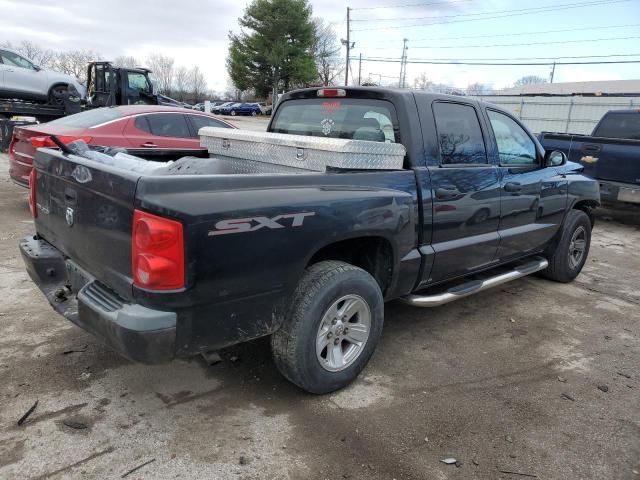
{"points": [[430, 62], [454, 60], [393, 19], [588, 40], [518, 13], [519, 33], [411, 5]]}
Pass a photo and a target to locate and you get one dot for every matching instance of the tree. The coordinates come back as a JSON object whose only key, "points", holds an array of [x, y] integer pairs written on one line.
{"points": [[181, 82], [74, 62], [162, 68], [422, 82], [529, 80], [196, 83], [478, 89], [278, 49], [43, 57], [126, 62], [327, 53]]}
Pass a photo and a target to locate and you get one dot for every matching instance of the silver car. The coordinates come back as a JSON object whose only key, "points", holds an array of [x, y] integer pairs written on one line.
{"points": [[22, 79]]}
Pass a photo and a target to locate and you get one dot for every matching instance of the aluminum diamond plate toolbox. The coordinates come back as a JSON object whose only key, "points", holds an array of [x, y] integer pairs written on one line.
{"points": [[299, 151]]}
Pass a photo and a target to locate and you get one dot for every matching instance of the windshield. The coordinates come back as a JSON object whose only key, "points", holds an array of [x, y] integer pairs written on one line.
{"points": [[90, 118], [350, 118]]}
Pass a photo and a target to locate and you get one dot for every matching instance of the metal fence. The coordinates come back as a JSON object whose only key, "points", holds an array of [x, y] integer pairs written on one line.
{"points": [[561, 114]]}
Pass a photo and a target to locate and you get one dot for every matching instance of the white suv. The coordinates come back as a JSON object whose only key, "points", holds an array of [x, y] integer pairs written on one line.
{"points": [[20, 78]]}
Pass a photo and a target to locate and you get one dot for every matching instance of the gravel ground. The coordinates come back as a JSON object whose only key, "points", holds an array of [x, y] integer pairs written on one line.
{"points": [[534, 378]]}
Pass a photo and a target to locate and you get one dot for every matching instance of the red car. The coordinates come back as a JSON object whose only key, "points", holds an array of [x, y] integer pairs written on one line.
{"points": [[150, 131]]}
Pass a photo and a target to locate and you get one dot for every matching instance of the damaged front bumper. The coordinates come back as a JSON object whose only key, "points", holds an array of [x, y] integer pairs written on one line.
{"points": [[138, 333]]}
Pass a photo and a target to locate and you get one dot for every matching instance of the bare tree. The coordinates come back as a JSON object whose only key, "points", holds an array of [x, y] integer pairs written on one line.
{"points": [[529, 80], [478, 89], [181, 82], [162, 68], [126, 62], [43, 57], [74, 62], [197, 83], [327, 53], [422, 82]]}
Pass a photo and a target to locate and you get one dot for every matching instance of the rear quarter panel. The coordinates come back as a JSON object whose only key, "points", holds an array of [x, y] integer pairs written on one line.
{"points": [[243, 280]]}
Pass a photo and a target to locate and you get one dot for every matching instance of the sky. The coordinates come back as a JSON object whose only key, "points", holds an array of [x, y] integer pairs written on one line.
{"points": [[196, 32]]}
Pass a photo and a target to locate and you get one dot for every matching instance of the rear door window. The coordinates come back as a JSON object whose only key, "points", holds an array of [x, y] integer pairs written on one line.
{"points": [[459, 134], [350, 118], [199, 121], [168, 125]]}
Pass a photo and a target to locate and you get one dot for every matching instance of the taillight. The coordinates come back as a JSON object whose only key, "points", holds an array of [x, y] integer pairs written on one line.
{"points": [[45, 141], [332, 92], [33, 183], [12, 148], [157, 252]]}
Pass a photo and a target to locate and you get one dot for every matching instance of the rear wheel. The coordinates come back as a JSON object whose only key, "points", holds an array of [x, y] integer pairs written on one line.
{"points": [[57, 95], [566, 262], [332, 328]]}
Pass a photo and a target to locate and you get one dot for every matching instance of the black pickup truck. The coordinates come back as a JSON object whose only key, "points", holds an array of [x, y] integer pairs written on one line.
{"points": [[611, 154], [207, 253]]}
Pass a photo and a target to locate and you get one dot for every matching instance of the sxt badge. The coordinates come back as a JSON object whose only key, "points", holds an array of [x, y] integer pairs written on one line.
{"points": [[251, 224]]}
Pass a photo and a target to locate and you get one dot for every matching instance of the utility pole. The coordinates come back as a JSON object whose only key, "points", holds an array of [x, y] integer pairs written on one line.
{"points": [[553, 71], [403, 65], [346, 75], [360, 70]]}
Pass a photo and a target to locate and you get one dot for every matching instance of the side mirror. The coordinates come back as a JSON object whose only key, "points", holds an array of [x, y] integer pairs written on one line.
{"points": [[555, 158], [37, 68]]}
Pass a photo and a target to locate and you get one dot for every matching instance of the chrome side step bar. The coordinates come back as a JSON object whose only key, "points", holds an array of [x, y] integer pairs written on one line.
{"points": [[474, 286]]}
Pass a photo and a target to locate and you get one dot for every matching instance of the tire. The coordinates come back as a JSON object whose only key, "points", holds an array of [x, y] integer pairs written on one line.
{"points": [[299, 349], [56, 95], [480, 216], [253, 113], [233, 113], [564, 264]]}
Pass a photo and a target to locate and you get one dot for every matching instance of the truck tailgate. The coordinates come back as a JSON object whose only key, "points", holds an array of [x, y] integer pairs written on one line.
{"points": [[85, 210], [611, 159]]}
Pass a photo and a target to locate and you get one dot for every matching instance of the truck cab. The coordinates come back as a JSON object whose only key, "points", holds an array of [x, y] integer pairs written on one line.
{"points": [[109, 85]]}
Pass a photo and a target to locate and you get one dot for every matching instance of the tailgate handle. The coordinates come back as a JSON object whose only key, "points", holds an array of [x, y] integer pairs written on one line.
{"points": [[70, 195], [591, 148]]}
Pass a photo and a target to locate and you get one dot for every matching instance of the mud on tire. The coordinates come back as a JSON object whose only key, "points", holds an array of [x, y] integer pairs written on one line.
{"points": [[302, 348]]}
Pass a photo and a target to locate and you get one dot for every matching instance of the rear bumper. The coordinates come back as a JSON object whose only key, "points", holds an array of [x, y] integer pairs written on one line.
{"points": [[619, 192], [138, 333]]}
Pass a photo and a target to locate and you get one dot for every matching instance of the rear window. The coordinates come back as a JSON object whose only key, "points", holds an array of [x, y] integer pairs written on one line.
{"points": [[620, 125], [90, 118], [350, 118]]}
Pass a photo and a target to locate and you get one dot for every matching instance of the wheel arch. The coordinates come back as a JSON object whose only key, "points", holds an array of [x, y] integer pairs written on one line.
{"points": [[587, 206], [374, 254]]}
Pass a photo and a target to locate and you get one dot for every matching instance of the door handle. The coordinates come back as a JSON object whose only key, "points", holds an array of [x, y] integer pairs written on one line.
{"points": [[444, 192], [149, 145], [512, 187], [591, 148]]}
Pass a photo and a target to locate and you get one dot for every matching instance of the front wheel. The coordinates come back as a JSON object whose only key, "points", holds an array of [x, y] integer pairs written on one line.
{"points": [[254, 113], [233, 113], [571, 252], [332, 328]]}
